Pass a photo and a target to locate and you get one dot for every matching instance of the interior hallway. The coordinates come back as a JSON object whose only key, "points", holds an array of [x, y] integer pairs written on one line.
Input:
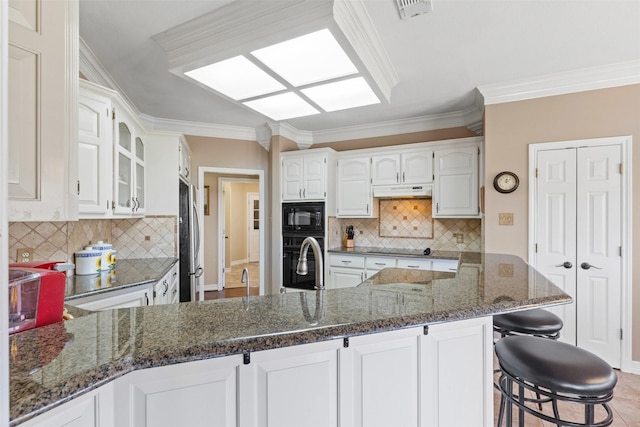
{"points": [[234, 287]]}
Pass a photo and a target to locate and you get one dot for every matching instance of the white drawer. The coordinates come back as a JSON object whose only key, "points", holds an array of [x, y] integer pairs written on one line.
{"points": [[416, 263], [352, 261], [379, 262], [445, 265]]}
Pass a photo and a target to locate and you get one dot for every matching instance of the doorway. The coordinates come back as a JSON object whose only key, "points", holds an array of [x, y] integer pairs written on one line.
{"points": [[579, 218], [221, 241]]}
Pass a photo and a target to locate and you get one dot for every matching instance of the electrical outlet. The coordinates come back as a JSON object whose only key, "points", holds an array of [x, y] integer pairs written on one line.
{"points": [[24, 255], [505, 270], [459, 237], [505, 219]]}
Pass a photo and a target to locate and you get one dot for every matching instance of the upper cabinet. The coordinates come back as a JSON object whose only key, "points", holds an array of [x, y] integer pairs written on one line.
{"points": [[129, 167], [42, 102], [306, 176], [410, 167], [95, 150], [353, 189], [456, 186], [184, 158]]}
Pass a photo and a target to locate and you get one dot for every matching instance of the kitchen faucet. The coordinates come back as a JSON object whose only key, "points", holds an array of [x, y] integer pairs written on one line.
{"points": [[245, 275], [302, 268]]}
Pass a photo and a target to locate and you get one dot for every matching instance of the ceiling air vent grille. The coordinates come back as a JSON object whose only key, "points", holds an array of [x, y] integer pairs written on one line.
{"points": [[410, 8]]}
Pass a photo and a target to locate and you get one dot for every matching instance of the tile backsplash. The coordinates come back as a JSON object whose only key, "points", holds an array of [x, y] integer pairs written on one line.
{"points": [[414, 229], [149, 237]]}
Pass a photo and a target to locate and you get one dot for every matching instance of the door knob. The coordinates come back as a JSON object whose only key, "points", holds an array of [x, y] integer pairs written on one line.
{"points": [[565, 264], [586, 266]]}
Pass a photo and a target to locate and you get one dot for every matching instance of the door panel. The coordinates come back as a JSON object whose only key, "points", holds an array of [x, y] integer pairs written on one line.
{"points": [[599, 231], [556, 229]]}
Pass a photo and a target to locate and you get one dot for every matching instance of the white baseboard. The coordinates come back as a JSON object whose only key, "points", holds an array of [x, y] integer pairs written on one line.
{"points": [[213, 287], [635, 367], [239, 261]]}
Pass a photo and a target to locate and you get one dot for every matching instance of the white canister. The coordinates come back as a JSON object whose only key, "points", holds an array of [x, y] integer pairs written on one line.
{"points": [[88, 261], [106, 249]]}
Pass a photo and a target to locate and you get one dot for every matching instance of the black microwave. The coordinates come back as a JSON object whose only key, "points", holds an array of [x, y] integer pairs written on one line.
{"points": [[303, 217]]}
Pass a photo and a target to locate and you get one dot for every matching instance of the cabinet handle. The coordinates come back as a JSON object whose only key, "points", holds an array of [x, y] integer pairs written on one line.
{"points": [[380, 263], [367, 207], [437, 207], [403, 177], [146, 296], [397, 177], [133, 204], [413, 266], [304, 193], [300, 193], [137, 204], [344, 261]]}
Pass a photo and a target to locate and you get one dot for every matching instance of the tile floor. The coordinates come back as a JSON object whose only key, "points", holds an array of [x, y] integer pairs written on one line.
{"points": [[625, 405]]}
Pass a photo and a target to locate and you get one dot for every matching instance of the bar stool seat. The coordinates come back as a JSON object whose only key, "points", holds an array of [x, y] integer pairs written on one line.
{"points": [[536, 322], [559, 371]]}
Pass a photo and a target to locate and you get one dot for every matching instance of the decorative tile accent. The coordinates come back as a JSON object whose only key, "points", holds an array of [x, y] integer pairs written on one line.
{"points": [[406, 218], [368, 233]]}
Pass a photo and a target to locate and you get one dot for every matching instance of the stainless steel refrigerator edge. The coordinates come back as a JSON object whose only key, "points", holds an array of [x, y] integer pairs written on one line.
{"points": [[189, 238]]}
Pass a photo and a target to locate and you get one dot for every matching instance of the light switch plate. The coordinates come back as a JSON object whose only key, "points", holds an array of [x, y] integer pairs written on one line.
{"points": [[505, 219], [459, 237]]}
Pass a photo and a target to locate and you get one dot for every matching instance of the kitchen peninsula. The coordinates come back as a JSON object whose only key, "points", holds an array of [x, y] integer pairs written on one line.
{"points": [[397, 347]]}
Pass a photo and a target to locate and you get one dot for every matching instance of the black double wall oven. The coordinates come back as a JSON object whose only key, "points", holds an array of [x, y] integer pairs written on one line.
{"points": [[299, 221]]}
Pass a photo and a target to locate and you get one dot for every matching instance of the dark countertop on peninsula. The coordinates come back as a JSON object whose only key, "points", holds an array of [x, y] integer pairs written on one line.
{"points": [[56, 363], [127, 273]]}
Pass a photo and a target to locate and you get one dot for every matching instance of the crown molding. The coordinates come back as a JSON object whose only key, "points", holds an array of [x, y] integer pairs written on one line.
{"points": [[263, 136], [303, 138], [464, 117], [198, 128], [601, 77]]}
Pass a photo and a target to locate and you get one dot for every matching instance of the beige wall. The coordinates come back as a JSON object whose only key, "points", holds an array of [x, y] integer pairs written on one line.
{"points": [[226, 153], [511, 127], [238, 220]]}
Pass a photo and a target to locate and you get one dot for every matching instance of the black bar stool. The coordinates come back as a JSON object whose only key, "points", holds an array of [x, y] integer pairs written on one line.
{"points": [[536, 322], [558, 371]]}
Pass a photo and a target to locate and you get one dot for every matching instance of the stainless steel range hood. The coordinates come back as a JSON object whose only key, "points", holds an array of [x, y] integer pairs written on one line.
{"points": [[402, 190]]}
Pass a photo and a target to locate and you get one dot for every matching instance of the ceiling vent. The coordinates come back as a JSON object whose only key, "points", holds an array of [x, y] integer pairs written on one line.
{"points": [[411, 8]]}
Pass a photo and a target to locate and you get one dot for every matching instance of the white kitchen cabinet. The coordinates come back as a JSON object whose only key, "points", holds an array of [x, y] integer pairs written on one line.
{"points": [[95, 150], [379, 380], [346, 271], [129, 166], [93, 409], [446, 265], [201, 393], [456, 366], [305, 176], [353, 189], [415, 263], [135, 296], [373, 264], [165, 291], [291, 387], [456, 188], [42, 71], [411, 167]]}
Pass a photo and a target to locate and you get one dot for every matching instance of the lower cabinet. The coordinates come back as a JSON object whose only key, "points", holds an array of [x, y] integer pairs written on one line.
{"points": [[398, 378], [89, 410], [136, 296]]}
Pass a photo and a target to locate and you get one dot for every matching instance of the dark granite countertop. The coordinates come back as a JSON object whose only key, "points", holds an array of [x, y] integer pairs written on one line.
{"points": [[127, 273], [413, 253], [55, 363]]}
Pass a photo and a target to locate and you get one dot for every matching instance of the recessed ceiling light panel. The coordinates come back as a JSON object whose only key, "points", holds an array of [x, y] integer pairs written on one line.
{"points": [[281, 107], [311, 58], [343, 94], [238, 78]]}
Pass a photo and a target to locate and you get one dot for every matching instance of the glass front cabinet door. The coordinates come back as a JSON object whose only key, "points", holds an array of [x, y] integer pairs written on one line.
{"points": [[129, 171]]}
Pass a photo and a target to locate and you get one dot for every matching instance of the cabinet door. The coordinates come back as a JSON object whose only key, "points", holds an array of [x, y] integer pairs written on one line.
{"points": [[385, 169], [354, 188], [139, 188], [202, 393], [456, 372], [123, 169], [417, 167], [292, 178], [314, 181], [291, 387], [345, 277], [415, 263], [95, 145], [455, 192], [42, 70], [379, 380]]}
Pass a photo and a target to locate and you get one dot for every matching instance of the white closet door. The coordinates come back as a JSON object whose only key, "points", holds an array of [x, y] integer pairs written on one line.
{"points": [[578, 236]]}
